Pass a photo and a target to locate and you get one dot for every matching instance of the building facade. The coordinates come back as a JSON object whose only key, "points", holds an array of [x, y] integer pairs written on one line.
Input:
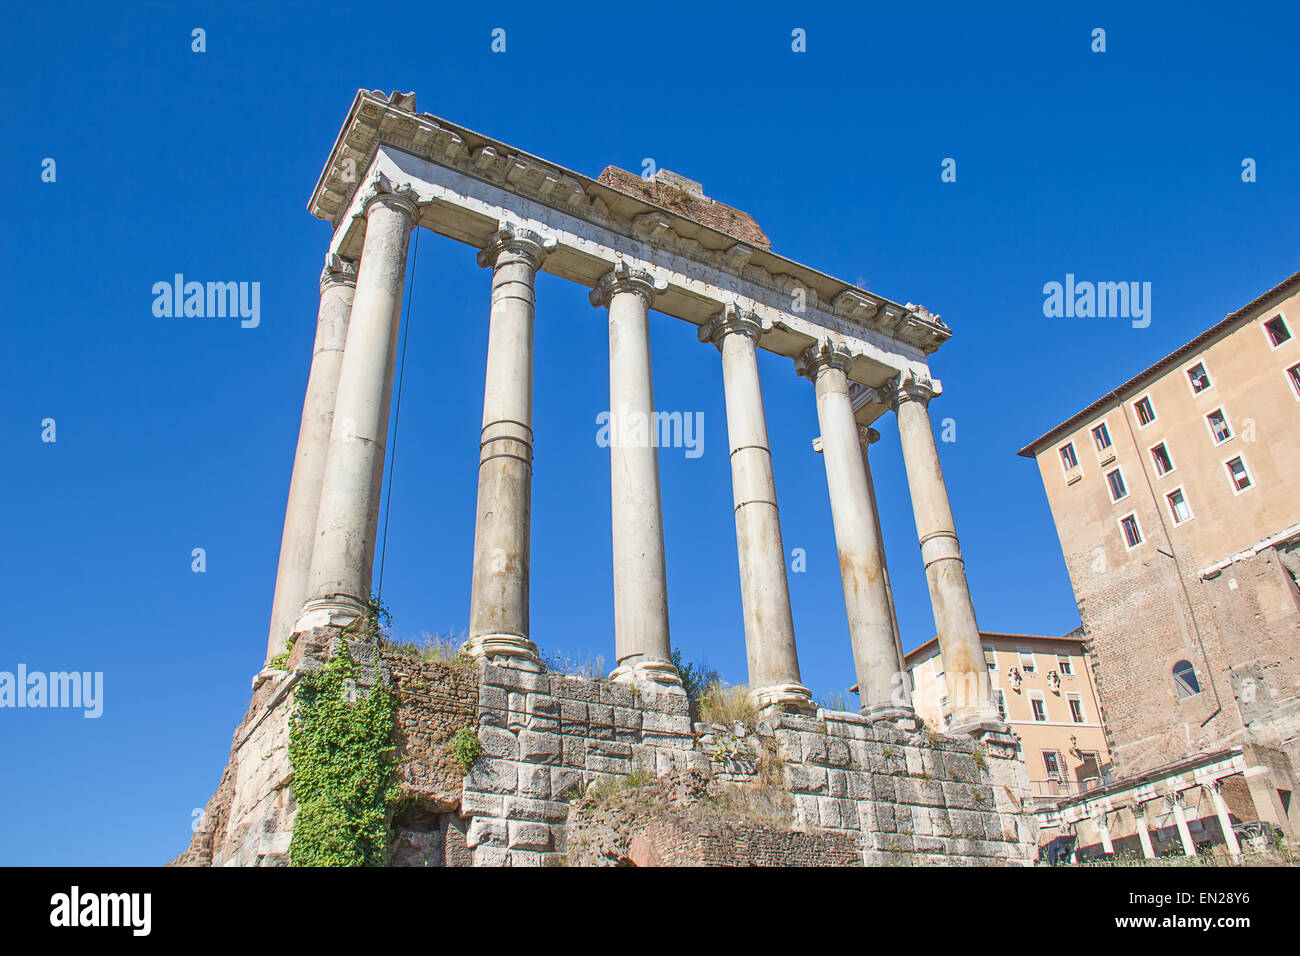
{"points": [[1176, 499], [1044, 690]]}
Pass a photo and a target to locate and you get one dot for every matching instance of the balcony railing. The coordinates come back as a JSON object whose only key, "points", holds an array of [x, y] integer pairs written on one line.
{"points": [[1061, 787]]}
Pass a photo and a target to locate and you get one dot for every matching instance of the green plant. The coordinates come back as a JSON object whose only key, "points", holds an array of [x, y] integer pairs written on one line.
{"points": [[697, 676], [836, 701], [466, 748], [343, 753], [444, 649], [980, 760]]}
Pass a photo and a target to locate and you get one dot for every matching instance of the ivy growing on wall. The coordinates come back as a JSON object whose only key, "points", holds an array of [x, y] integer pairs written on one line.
{"points": [[343, 754]]}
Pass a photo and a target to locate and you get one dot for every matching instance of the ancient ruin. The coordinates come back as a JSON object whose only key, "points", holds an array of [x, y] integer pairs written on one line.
{"points": [[859, 788]]}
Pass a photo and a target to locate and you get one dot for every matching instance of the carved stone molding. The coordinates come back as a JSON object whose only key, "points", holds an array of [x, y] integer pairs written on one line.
{"points": [[338, 271], [729, 320], [400, 196], [911, 386], [827, 352], [867, 435], [518, 241], [624, 279]]}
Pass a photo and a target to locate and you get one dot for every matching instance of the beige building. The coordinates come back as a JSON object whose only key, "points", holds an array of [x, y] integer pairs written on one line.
{"points": [[1176, 498], [1044, 690]]}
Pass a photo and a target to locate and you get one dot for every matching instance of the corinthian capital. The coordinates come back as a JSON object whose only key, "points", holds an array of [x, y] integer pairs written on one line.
{"points": [[338, 271], [912, 386], [623, 278], [733, 320], [827, 353], [516, 240]]}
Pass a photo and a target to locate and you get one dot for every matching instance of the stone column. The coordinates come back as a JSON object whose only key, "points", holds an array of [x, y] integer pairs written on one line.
{"points": [[498, 614], [954, 613], [642, 647], [764, 590], [868, 437], [1225, 820], [339, 583], [857, 537], [338, 282], [1103, 831], [1144, 835], [1180, 818]]}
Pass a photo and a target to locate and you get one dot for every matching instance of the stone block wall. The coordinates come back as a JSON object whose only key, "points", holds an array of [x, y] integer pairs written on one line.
{"points": [[891, 796]]}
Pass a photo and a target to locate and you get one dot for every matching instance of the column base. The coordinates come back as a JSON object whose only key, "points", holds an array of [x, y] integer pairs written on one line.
{"points": [[333, 610], [980, 726], [788, 697], [518, 650], [661, 674], [902, 717]]}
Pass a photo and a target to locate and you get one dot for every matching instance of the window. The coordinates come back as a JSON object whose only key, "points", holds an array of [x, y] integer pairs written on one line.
{"points": [[1178, 506], [1164, 463], [1076, 709], [1068, 458], [1002, 706], [1064, 665], [1237, 474], [1219, 427], [1145, 412], [1040, 707], [990, 658], [1185, 682], [1116, 482], [1053, 764], [1199, 378], [1026, 659], [1132, 533], [1293, 376], [1101, 435], [1277, 331]]}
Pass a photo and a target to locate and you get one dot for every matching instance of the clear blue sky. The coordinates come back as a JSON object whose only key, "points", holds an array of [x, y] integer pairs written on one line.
{"points": [[174, 434]]}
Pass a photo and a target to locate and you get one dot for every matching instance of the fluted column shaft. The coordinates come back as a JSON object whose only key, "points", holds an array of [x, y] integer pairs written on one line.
{"points": [[337, 285], [857, 536], [642, 646], [339, 583], [498, 616], [966, 675], [1225, 819], [764, 589]]}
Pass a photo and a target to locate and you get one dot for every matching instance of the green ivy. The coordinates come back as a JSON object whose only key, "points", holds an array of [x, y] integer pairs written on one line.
{"points": [[344, 765], [466, 748]]}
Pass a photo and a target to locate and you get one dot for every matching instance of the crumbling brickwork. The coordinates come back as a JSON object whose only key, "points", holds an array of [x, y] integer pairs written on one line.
{"points": [[701, 209]]}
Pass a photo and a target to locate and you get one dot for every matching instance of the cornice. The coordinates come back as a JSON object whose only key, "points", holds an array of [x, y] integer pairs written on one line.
{"points": [[376, 119]]}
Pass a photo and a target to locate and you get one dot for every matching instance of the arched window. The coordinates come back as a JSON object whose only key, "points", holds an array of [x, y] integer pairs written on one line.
{"points": [[1185, 681]]}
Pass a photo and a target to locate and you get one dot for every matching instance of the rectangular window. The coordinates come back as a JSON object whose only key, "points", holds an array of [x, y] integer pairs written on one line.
{"points": [[1052, 763], [1101, 435], [1277, 331], [1026, 659], [1237, 474], [1219, 427], [990, 658], [1076, 709], [1132, 533], [1116, 482], [1146, 413], [1178, 506], [1164, 463], [1199, 378], [1068, 458], [1040, 708], [1293, 376], [1064, 665], [1002, 705]]}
